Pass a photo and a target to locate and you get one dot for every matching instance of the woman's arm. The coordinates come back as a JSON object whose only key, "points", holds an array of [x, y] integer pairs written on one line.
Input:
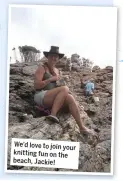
{"points": [[38, 83]]}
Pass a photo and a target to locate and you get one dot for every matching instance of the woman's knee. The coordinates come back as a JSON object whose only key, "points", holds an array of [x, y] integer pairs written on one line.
{"points": [[65, 89], [70, 99]]}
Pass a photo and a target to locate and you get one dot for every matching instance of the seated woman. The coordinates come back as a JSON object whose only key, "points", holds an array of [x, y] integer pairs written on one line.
{"points": [[49, 95]]}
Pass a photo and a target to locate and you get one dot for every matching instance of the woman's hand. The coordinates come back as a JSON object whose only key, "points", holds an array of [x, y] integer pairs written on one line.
{"points": [[54, 78]]}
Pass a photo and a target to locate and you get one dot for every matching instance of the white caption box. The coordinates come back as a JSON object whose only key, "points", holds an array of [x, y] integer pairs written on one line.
{"points": [[44, 153]]}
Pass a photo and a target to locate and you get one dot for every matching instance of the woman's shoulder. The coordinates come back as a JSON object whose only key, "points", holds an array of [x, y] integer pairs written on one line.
{"points": [[40, 69]]}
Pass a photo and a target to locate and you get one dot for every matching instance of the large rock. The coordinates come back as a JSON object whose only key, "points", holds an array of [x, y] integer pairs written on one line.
{"points": [[29, 70], [110, 68]]}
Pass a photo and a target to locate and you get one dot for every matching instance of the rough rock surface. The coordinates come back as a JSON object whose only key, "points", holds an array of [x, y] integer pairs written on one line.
{"points": [[95, 153]]}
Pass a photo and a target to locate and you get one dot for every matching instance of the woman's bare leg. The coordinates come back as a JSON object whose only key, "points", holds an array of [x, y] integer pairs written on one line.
{"points": [[73, 108], [55, 98]]}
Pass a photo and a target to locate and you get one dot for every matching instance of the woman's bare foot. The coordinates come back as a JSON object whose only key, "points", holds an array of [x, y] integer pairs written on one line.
{"points": [[87, 131]]}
